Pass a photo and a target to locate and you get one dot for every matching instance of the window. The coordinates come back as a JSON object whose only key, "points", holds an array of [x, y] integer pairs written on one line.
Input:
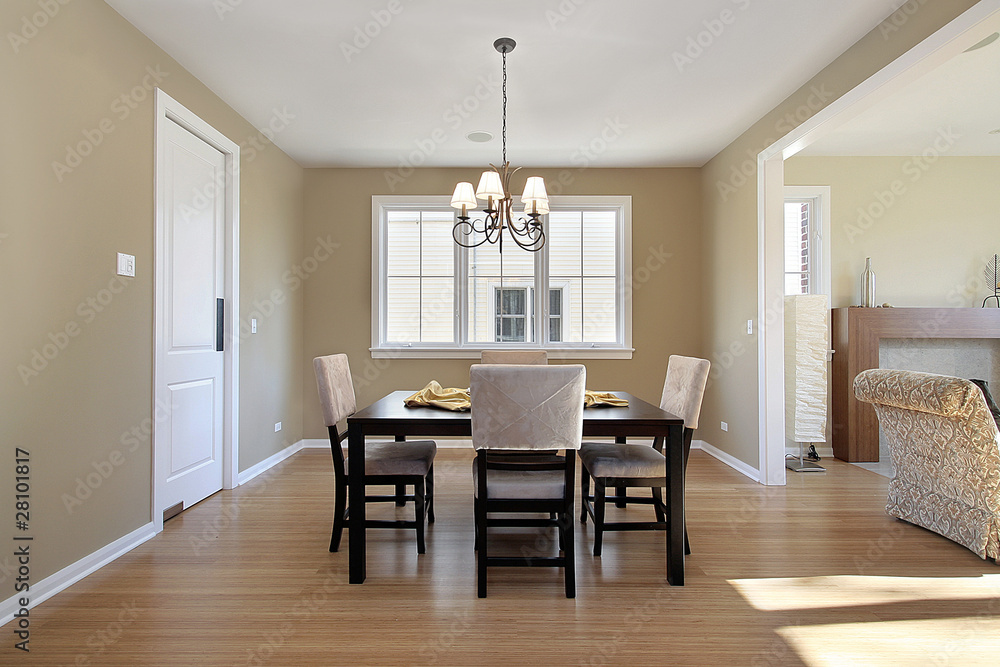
{"points": [[807, 254], [434, 298], [512, 314]]}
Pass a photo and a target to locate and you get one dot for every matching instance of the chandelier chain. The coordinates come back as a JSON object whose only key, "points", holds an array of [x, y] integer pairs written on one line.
{"points": [[504, 138]]}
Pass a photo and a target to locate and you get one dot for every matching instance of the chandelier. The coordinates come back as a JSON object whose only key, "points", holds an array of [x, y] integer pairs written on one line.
{"points": [[494, 189]]}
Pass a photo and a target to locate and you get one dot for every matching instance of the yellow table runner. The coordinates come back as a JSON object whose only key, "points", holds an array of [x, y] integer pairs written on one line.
{"points": [[452, 398]]}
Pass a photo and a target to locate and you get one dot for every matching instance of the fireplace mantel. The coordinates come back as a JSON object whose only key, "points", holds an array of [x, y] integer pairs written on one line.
{"points": [[856, 335]]}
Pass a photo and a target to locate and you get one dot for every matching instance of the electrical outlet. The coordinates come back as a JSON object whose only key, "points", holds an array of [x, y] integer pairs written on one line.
{"points": [[724, 426], [253, 325], [277, 426]]}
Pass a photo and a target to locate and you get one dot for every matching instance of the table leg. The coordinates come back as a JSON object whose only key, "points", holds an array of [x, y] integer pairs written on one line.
{"points": [[356, 497], [675, 505]]}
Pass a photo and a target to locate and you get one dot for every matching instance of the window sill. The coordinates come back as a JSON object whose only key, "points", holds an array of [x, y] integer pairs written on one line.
{"points": [[474, 353]]}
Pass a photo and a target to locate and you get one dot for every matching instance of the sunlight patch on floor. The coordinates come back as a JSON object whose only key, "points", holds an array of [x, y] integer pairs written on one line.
{"points": [[851, 591], [957, 642]]}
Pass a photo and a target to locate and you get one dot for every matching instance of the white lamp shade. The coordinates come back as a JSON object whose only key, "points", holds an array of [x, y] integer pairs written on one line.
{"points": [[534, 190], [539, 207], [464, 196], [807, 338], [490, 186]]}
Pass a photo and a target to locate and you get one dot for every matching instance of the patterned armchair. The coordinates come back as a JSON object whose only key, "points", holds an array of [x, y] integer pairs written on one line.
{"points": [[945, 448]]}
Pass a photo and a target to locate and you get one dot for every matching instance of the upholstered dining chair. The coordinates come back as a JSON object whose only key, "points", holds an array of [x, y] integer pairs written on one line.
{"points": [[514, 357], [399, 464], [620, 465], [526, 408]]}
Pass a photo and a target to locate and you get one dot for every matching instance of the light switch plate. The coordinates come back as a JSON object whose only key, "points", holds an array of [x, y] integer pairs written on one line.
{"points": [[253, 325], [277, 426], [126, 265]]}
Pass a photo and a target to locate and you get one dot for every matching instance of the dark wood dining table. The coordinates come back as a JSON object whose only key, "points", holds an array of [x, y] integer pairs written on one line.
{"points": [[389, 416]]}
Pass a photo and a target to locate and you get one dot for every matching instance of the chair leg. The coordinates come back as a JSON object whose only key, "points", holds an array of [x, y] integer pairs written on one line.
{"points": [[475, 522], [339, 510], [481, 553], [599, 500], [430, 495], [584, 492], [569, 554], [658, 505], [400, 495], [418, 497], [620, 495]]}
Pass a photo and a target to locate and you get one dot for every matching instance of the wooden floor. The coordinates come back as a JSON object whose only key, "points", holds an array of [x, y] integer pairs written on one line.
{"points": [[813, 573]]}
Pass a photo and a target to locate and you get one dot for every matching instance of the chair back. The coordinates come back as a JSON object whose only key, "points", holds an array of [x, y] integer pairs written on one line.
{"points": [[539, 357], [684, 388], [527, 407], [336, 388]]}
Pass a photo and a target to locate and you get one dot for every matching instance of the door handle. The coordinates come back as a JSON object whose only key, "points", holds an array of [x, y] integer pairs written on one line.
{"points": [[220, 322]]}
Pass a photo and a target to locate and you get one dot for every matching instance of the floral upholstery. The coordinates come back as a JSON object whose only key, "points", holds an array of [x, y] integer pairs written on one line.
{"points": [[945, 448]]}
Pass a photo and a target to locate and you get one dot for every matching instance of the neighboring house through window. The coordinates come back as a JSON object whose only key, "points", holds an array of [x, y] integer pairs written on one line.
{"points": [[807, 249]]}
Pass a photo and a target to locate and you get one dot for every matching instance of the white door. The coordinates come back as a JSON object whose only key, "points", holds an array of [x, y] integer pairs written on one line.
{"points": [[191, 381]]}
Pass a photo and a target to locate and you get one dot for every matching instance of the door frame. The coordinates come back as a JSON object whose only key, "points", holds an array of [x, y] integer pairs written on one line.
{"points": [[950, 40], [169, 110]]}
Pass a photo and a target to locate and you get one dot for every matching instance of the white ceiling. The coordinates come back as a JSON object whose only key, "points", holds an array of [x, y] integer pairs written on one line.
{"points": [[954, 107], [581, 69]]}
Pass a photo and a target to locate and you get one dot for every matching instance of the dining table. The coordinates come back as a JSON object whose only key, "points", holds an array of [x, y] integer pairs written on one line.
{"points": [[389, 416]]}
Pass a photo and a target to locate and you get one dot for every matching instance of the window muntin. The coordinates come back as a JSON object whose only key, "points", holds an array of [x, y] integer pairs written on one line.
{"points": [[430, 294]]}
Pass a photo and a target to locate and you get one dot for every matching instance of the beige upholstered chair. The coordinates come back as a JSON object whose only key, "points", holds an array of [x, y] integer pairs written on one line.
{"points": [[622, 465], [514, 357], [945, 449], [388, 463], [526, 408]]}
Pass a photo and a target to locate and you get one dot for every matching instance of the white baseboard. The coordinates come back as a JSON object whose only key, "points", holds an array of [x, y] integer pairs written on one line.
{"points": [[271, 461], [728, 459], [69, 575], [315, 443]]}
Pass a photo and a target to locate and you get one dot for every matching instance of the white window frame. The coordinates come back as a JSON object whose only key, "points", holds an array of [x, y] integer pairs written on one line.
{"points": [[462, 348], [818, 197]]}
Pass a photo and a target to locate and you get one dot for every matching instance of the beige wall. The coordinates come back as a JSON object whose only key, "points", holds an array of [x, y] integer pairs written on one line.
{"points": [[729, 190], [665, 212], [58, 241], [929, 225]]}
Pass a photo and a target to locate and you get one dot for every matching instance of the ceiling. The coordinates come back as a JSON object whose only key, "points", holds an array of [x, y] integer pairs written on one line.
{"points": [[952, 109], [591, 83]]}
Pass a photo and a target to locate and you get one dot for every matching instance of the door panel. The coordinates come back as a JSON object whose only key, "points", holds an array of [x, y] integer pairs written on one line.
{"points": [[190, 443]]}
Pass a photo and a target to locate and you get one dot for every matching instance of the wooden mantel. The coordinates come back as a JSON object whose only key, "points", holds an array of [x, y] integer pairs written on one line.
{"points": [[856, 335]]}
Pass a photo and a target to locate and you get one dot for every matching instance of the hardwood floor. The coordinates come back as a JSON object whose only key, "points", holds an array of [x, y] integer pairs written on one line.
{"points": [[813, 573]]}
